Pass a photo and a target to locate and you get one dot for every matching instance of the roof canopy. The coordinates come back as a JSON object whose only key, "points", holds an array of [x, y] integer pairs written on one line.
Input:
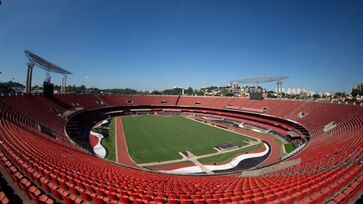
{"points": [[259, 80], [44, 64]]}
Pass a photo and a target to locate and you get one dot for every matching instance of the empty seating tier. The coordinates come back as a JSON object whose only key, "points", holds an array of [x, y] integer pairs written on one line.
{"points": [[48, 168]]}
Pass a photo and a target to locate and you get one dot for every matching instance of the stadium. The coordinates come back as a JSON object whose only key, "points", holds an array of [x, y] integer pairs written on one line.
{"points": [[44, 152], [110, 148], [219, 144]]}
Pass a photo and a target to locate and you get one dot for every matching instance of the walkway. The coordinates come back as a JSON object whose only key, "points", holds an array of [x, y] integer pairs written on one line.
{"points": [[122, 155], [275, 147]]}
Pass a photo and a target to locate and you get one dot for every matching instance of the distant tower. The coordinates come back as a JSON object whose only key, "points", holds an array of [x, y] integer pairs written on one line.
{"points": [[29, 74], [279, 89], [47, 77], [234, 86]]}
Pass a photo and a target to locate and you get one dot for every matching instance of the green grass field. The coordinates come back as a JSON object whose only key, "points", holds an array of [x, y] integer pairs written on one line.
{"points": [[163, 165], [289, 147], [157, 138], [227, 157], [109, 142]]}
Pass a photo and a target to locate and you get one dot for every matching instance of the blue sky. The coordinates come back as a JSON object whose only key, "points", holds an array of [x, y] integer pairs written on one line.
{"points": [[159, 44]]}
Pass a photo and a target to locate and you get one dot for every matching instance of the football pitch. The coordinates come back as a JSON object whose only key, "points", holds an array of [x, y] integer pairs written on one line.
{"points": [[160, 138]]}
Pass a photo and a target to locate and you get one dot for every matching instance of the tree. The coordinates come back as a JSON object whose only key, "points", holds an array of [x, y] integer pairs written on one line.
{"points": [[338, 95], [189, 91], [155, 92], [316, 96], [175, 91], [356, 92]]}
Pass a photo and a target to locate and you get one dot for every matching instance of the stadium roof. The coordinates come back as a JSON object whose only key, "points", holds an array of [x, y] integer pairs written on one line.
{"points": [[44, 64], [259, 80]]}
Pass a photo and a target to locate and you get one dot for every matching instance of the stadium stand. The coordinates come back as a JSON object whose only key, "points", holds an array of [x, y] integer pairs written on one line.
{"points": [[85, 101], [3, 185], [127, 100], [47, 168]]}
